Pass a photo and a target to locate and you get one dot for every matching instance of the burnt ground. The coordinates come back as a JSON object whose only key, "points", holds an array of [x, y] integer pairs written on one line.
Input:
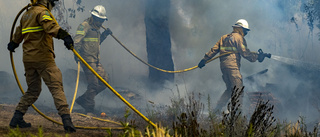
{"points": [[10, 96], [51, 129]]}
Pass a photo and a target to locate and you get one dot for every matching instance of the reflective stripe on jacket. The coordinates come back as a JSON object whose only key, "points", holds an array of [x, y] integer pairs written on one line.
{"points": [[233, 42], [36, 29], [87, 41]]}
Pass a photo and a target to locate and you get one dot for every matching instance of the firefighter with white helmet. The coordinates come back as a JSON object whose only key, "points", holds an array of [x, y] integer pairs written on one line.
{"points": [[36, 29], [242, 23], [230, 63], [99, 11], [87, 42]]}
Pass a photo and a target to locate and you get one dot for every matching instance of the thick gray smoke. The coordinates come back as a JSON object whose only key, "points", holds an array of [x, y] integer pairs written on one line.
{"points": [[195, 26]]}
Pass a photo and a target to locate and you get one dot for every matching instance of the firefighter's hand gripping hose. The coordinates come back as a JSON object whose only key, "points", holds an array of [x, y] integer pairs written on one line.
{"points": [[22, 91]]}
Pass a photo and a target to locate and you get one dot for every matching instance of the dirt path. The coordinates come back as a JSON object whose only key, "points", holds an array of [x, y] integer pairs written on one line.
{"points": [[49, 128]]}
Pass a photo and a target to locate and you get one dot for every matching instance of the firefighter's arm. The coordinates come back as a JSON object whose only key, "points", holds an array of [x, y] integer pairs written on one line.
{"points": [[48, 24], [78, 38], [16, 40], [104, 35], [245, 52], [17, 36], [211, 53]]}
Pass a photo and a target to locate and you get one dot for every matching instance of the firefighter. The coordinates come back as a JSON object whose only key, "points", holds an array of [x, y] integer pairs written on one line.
{"points": [[87, 42], [36, 29], [230, 64]]}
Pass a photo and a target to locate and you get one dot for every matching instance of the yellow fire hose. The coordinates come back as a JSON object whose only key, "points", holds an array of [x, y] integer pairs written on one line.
{"points": [[78, 73], [76, 88], [89, 67], [100, 119], [113, 90], [107, 84], [42, 114], [74, 98], [22, 91], [99, 77], [167, 71], [75, 95]]}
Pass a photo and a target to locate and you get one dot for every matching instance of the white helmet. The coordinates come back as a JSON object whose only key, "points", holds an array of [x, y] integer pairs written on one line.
{"points": [[242, 23], [100, 12]]}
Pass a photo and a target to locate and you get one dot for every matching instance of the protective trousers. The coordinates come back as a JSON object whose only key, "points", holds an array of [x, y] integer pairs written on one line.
{"points": [[52, 77], [231, 78], [95, 86]]}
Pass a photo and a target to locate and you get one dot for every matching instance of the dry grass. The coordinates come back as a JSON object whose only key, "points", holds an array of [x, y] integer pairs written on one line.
{"points": [[183, 118]]}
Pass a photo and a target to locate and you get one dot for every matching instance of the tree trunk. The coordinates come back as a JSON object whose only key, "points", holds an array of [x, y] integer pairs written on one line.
{"points": [[158, 40]]}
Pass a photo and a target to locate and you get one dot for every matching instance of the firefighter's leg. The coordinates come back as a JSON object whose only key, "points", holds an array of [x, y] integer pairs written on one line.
{"points": [[34, 88], [236, 80], [231, 77], [52, 77], [227, 93], [103, 74], [86, 100]]}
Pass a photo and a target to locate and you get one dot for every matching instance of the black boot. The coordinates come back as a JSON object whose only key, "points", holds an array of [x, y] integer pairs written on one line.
{"points": [[67, 123], [17, 120], [84, 103]]}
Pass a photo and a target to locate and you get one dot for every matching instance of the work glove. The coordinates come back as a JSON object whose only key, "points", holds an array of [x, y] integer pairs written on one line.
{"points": [[12, 46], [202, 63], [105, 34], [68, 41], [262, 55]]}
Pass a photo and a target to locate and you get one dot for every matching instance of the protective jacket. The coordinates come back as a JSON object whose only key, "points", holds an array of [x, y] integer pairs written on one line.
{"points": [[233, 42], [37, 28], [87, 41]]}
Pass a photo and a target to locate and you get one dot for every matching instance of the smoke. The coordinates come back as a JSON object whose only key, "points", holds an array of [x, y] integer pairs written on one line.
{"points": [[195, 26], [198, 25]]}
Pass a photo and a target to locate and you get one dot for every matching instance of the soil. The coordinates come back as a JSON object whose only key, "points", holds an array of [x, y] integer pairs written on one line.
{"points": [[115, 111], [51, 129]]}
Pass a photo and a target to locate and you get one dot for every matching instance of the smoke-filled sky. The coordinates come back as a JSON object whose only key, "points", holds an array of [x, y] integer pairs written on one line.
{"points": [[195, 26]]}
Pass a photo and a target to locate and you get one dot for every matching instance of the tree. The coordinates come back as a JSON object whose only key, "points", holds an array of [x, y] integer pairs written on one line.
{"points": [[158, 40]]}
